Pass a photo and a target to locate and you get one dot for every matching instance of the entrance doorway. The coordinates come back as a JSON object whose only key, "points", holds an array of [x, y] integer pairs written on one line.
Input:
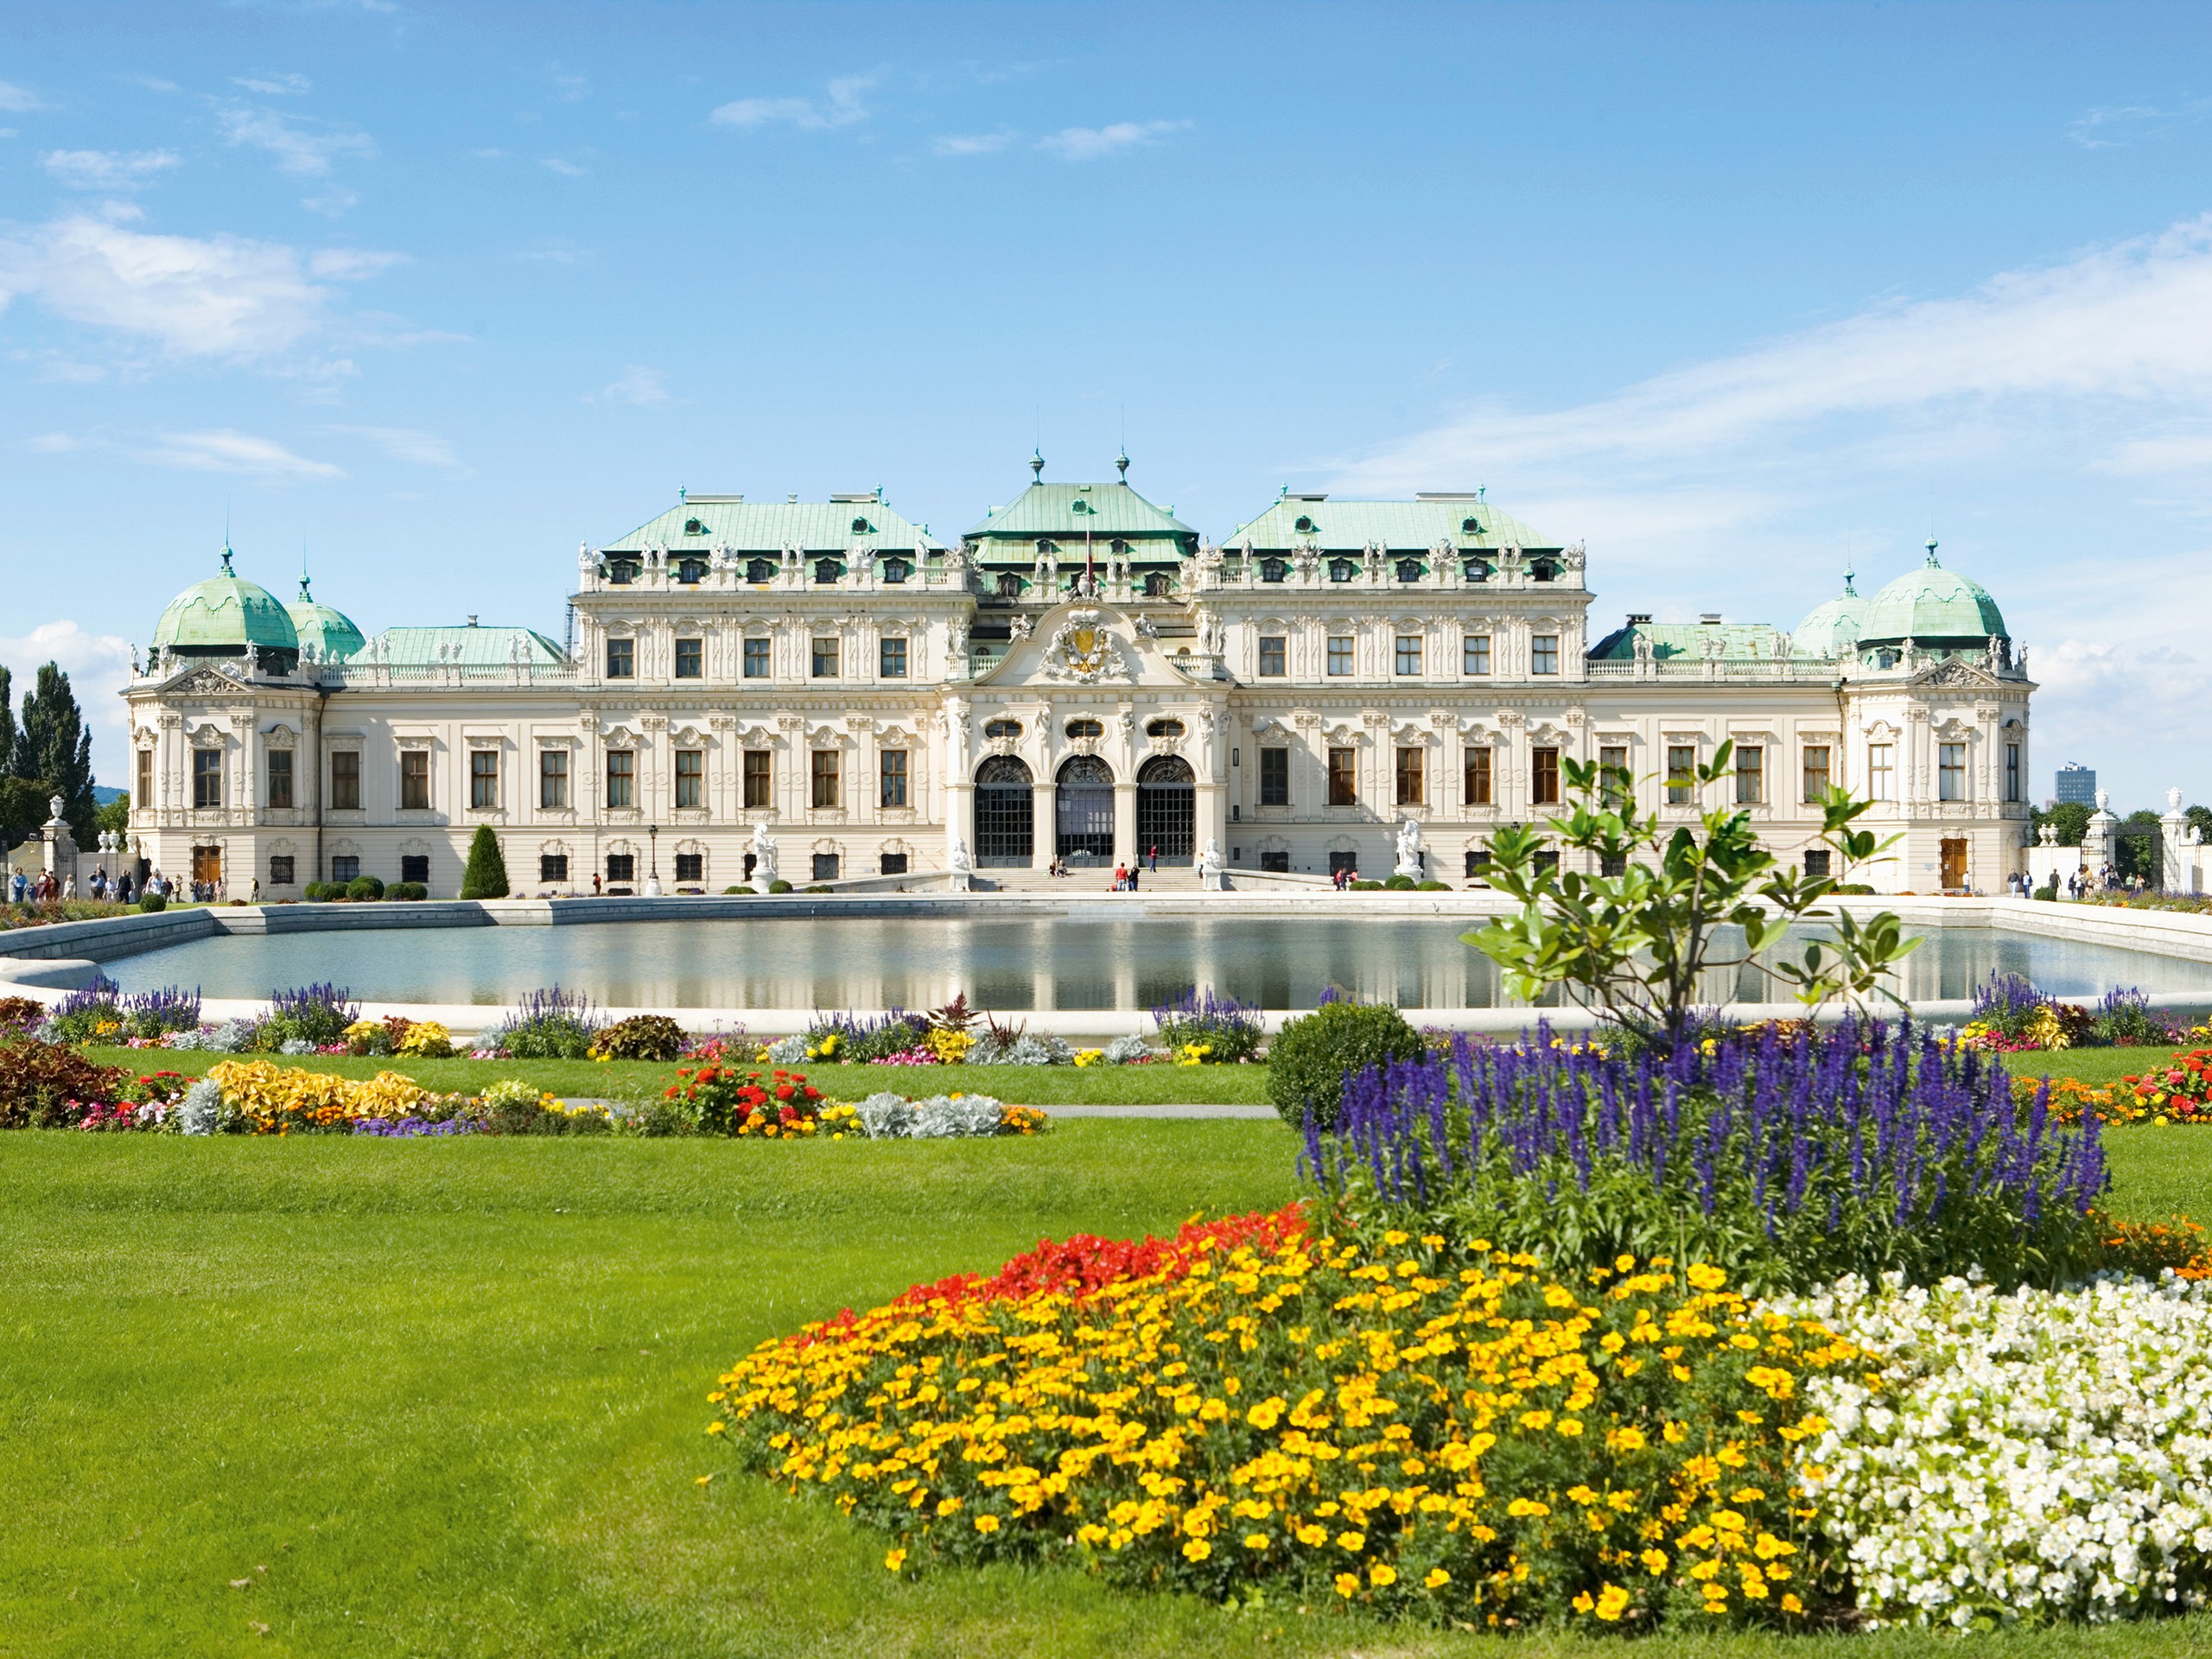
{"points": [[1954, 863], [1083, 830], [207, 865], [1005, 835], [1168, 809]]}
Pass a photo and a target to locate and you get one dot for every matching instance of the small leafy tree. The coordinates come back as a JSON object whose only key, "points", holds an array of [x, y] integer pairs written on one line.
{"points": [[1633, 946], [486, 875]]}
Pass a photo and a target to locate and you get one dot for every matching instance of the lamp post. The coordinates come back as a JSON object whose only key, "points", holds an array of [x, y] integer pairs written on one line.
{"points": [[652, 861]]}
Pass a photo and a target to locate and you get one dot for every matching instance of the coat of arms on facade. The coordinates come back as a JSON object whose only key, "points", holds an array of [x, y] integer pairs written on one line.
{"points": [[1083, 651]]}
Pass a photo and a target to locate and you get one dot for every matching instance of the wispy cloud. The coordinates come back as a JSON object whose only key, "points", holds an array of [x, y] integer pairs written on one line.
{"points": [[566, 170], [302, 148], [19, 99], [220, 296], [970, 144], [275, 87], [151, 83], [2114, 125], [222, 450], [409, 444], [1088, 144], [56, 443], [107, 169], [841, 108], [635, 385]]}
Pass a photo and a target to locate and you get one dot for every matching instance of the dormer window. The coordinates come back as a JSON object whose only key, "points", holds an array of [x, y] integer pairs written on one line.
{"points": [[1272, 569], [691, 572], [1081, 505], [1085, 728], [828, 569], [1408, 570], [761, 571], [1342, 569], [1304, 526], [1543, 571], [1009, 586], [1044, 548], [861, 527], [897, 570], [693, 527], [1471, 526], [1477, 570], [1155, 585], [621, 572], [1119, 548]]}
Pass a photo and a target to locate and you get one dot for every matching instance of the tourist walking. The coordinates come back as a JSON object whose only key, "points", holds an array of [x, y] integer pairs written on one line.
{"points": [[1155, 858]]}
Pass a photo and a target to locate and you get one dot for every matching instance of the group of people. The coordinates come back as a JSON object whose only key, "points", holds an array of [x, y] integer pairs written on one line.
{"points": [[2079, 884], [46, 888], [1344, 878], [1126, 872]]}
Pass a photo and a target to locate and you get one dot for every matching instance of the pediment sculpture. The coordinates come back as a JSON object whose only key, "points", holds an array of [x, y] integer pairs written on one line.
{"points": [[1084, 653]]}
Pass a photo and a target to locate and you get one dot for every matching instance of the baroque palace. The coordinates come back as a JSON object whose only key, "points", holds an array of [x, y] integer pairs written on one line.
{"points": [[820, 688]]}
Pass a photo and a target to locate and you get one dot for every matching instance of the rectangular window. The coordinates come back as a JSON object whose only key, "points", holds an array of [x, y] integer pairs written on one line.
{"points": [[1817, 861], [622, 659], [825, 777], [1409, 654], [890, 659], [1816, 772], [1543, 654], [690, 659], [1612, 864], [691, 778], [621, 778], [346, 866], [1474, 654], [1616, 784], [1950, 771], [345, 780], [756, 659], [483, 778], [552, 867], [280, 870], [280, 777], [825, 867], [1478, 866], [146, 779], [825, 660], [893, 864], [1681, 773], [1881, 771], [1411, 772], [1547, 863], [1339, 863], [757, 779], [691, 866], [415, 780], [415, 866], [1274, 777], [1477, 782], [1343, 776], [621, 867], [1340, 657], [2011, 771], [1274, 656], [894, 778], [1275, 863], [1751, 776], [1543, 777], [553, 779], [206, 778]]}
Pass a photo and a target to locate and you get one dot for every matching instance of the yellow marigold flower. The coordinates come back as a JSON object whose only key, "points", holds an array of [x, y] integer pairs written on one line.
{"points": [[894, 1558], [1570, 1427], [1381, 1574], [1582, 1603], [1704, 1276], [1197, 1550], [949, 1506], [1351, 1541], [1791, 1604], [1393, 1237], [1256, 1541], [987, 1523], [1314, 1536], [1627, 1439], [1525, 1506], [1613, 1602], [717, 1427], [1347, 1585], [1654, 1561], [1437, 1579]]}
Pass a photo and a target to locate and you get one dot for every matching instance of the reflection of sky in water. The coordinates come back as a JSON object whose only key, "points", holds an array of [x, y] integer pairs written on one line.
{"points": [[1016, 962]]}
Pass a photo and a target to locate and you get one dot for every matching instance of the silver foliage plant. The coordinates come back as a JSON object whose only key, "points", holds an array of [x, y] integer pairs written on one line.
{"points": [[886, 1116], [202, 1111]]}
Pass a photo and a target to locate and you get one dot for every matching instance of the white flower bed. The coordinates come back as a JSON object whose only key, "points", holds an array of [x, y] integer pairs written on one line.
{"points": [[2039, 1455], [886, 1116]]}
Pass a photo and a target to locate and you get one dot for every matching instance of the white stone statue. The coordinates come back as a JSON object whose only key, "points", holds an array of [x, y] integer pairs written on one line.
{"points": [[54, 805], [2104, 800], [2173, 801], [1019, 628], [958, 858], [956, 640], [764, 856], [1146, 628], [1409, 849], [1210, 861]]}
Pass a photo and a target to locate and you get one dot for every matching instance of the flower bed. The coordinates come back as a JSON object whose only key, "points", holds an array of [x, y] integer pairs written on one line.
{"points": [[888, 1116], [780, 1105], [2178, 1092], [2011, 1013], [1247, 1410]]}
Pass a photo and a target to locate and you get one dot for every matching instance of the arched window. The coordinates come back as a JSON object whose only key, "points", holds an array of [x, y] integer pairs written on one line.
{"points": [[693, 527], [1002, 728], [1408, 570], [1304, 525], [1169, 727], [861, 527], [897, 570], [1471, 526], [1342, 569], [1085, 772], [1155, 585], [1272, 569], [760, 570], [828, 569], [1009, 586], [1083, 726]]}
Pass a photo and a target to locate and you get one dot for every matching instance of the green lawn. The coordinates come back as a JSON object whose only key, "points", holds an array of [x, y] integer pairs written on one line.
{"points": [[2098, 1066], [1023, 1085], [446, 1397]]}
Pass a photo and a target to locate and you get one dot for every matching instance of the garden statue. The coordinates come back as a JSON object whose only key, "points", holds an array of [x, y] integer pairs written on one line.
{"points": [[1210, 866], [962, 866], [764, 857], [1409, 849]]}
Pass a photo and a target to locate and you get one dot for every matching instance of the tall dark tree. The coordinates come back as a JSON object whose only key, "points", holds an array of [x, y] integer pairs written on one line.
{"points": [[7, 723], [56, 747]]}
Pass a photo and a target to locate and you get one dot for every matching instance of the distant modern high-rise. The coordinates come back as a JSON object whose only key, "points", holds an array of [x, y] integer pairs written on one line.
{"points": [[2077, 783]]}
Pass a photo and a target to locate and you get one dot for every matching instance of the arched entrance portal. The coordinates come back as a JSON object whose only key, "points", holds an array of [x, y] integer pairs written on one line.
{"points": [[1168, 809], [1084, 830], [1005, 832]]}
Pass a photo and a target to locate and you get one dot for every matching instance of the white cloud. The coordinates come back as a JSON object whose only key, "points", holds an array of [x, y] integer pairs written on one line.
{"points": [[212, 296], [56, 444], [2113, 126], [98, 667], [18, 99], [970, 144], [353, 265], [409, 444], [222, 450], [333, 203], [842, 108], [281, 87], [1088, 144], [107, 169], [566, 170], [636, 385], [303, 149]]}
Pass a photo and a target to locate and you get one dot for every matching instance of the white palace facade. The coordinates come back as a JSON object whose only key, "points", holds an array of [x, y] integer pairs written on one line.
{"points": [[1080, 675]]}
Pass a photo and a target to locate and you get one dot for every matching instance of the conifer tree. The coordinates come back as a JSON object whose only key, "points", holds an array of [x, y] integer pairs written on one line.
{"points": [[486, 875], [7, 723], [55, 748]]}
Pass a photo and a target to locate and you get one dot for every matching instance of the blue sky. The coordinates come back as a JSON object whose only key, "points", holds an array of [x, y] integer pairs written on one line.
{"points": [[1736, 295]]}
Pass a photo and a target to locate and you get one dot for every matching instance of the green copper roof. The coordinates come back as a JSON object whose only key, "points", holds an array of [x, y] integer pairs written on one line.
{"points": [[766, 526], [331, 633], [1932, 605], [1066, 512], [1418, 524], [1832, 627], [1671, 640], [470, 646], [222, 616]]}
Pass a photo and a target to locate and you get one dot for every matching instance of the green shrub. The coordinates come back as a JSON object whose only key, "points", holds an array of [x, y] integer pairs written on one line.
{"points": [[818, 888], [1435, 886], [1367, 887], [1401, 884], [414, 891], [657, 1118], [1858, 889], [363, 888], [1310, 1057], [779, 885], [151, 902], [486, 875], [2048, 892], [727, 892], [643, 1036]]}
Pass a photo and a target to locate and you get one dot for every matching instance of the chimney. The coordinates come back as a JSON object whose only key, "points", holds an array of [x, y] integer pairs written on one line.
{"points": [[1708, 619]]}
